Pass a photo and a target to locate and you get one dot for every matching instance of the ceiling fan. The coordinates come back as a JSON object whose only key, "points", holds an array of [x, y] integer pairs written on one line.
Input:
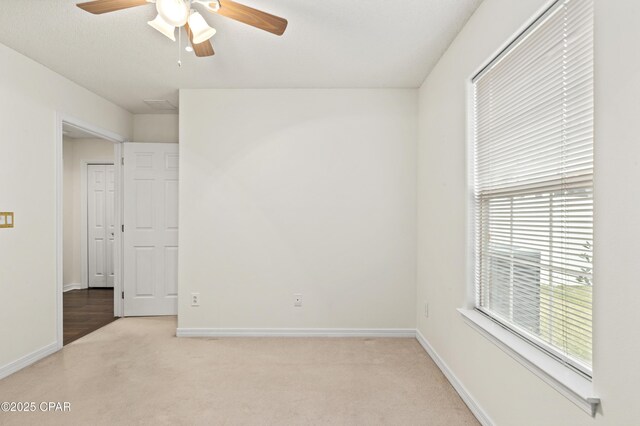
{"points": [[179, 13]]}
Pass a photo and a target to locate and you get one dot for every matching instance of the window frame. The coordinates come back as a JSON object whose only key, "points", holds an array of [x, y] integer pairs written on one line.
{"points": [[570, 381]]}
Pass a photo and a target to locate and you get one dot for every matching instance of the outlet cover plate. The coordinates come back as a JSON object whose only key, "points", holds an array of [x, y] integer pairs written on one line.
{"points": [[195, 299]]}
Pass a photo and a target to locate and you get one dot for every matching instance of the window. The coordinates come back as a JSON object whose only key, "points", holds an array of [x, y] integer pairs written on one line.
{"points": [[533, 184]]}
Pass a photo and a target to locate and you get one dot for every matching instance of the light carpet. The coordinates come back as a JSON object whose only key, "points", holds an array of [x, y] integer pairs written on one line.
{"points": [[136, 372]]}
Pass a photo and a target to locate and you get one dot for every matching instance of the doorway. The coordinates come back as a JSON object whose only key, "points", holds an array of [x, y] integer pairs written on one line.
{"points": [[145, 189], [88, 220]]}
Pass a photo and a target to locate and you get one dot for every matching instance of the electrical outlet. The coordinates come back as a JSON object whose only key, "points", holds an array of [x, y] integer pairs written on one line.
{"points": [[195, 299], [426, 309], [297, 300]]}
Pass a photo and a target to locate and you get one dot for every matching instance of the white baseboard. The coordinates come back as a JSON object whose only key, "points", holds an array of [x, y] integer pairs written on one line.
{"points": [[477, 411], [295, 332], [72, 286], [27, 360]]}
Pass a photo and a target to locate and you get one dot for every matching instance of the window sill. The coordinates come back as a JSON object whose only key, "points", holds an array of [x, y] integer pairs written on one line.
{"points": [[569, 383]]}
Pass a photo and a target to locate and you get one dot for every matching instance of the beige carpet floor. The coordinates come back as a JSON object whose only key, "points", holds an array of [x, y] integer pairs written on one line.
{"points": [[136, 372]]}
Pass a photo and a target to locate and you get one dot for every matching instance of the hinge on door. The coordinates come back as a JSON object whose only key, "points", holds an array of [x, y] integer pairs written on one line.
{"points": [[122, 228], [123, 294], [122, 161]]}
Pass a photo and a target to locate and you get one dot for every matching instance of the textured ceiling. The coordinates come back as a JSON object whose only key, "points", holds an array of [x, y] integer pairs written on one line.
{"points": [[328, 44]]}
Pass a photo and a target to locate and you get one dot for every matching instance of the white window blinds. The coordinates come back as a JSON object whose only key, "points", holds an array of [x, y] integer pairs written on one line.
{"points": [[533, 184]]}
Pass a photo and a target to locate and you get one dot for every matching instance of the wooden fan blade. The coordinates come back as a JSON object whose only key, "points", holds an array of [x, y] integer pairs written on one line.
{"points": [[103, 6], [201, 49], [253, 17]]}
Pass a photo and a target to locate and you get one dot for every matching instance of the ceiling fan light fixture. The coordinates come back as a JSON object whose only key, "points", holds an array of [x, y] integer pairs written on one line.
{"points": [[200, 29], [173, 12], [165, 28]]}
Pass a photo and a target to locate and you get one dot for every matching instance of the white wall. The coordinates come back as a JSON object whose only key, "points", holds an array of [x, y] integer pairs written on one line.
{"points": [[507, 391], [76, 153], [155, 128], [31, 96], [71, 268], [298, 191]]}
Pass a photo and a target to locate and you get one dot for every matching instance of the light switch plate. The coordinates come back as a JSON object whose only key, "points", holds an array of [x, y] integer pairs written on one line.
{"points": [[6, 219]]}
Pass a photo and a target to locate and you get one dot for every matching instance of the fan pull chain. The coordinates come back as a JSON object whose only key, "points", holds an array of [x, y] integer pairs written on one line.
{"points": [[179, 47]]}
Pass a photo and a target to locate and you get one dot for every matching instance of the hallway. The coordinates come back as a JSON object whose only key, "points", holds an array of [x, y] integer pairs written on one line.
{"points": [[86, 311]]}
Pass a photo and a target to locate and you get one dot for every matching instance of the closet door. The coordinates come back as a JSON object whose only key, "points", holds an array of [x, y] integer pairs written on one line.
{"points": [[100, 223], [110, 214]]}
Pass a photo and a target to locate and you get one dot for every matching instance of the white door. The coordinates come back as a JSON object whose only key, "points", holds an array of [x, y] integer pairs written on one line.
{"points": [[150, 229], [100, 222]]}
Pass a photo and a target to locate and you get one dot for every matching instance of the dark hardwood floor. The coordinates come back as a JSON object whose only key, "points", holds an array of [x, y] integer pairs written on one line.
{"points": [[86, 311]]}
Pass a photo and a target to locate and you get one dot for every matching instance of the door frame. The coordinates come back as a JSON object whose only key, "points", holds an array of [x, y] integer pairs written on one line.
{"points": [[118, 140], [84, 221]]}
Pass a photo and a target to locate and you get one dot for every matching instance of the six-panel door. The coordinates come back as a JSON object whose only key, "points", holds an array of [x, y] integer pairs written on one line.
{"points": [[100, 223], [150, 229]]}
